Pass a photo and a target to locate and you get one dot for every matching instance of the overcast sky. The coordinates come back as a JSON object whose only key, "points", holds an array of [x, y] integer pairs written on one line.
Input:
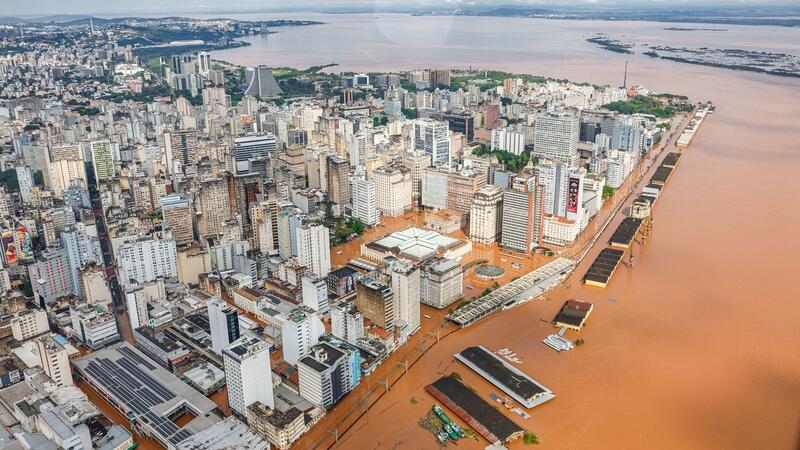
{"points": [[149, 7]]}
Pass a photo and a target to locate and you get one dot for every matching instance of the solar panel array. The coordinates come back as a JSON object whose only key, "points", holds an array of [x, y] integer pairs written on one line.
{"points": [[137, 390]]}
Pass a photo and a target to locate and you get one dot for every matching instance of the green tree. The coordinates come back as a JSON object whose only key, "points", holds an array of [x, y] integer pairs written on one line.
{"points": [[608, 192], [356, 225]]}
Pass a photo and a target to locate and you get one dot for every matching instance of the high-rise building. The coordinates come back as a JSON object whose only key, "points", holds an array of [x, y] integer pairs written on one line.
{"points": [[81, 250], [313, 248], [28, 323], [508, 140], [214, 206], [147, 259], [441, 282], [328, 373], [364, 202], [300, 331], [251, 153], [54, 360], [393, 189], [315, 294], [347, 322], [485, 217], [64, 173], [224, 323], [50, 275], [555, 136], [102, 160], [179, 215], [564, 189], [417, 161], [431, 136], [25, 180], [338, 177], [181, 145], [378, 303], [523, 211], [248, 374], [406, 288], [439, 77], [204, 63]]}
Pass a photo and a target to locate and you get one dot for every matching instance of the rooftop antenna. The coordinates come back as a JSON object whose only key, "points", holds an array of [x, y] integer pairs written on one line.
{"points": [[625, 80]]}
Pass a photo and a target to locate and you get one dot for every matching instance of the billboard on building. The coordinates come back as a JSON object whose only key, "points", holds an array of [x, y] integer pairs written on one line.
{"points": [[22, 239], [573, 192], [10, 253]]}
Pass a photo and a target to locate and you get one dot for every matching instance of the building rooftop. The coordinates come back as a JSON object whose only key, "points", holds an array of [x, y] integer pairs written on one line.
{"points": [[415, 243], [148, 391], [228, 434]]}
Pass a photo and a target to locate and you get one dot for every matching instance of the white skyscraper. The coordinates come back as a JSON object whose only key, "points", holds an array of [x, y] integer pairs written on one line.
{"points": [[431, 136], [364, 202], [224, 323], [405, 284], [299, 333], [508, 140], [314, 248], [147, 259], [555, 136], [25, 179], [347, 322], [248, 373], [315, 294]]}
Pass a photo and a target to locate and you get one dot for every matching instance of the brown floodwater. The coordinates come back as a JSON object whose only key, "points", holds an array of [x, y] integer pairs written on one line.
{"points": [[701, 347]]}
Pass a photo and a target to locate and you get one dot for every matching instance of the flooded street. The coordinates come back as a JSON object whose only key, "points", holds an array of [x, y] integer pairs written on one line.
{"points": [[699, 350]]}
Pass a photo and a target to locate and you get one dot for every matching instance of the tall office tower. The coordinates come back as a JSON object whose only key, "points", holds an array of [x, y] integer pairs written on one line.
{"points": [[179, 215], [405, 285], [315, 294], [435, 188], [523, 212], [492, 116], [248, 374], [146, 259], [215, 207], [251, 153], [378, 303], [338, 177], [508, 140], [300, 331], [461, 189], [629, 138], [364, 204], [328, 373], [393, 189], [25, 180], [261, 83], [264, 224], [181, 145], [431, 136], [177, 65], [70, 152], [485, 216], [555, 136], [289, 219], [54, 360], [50, 275], [81, 250], [564, 185], [101, 160], [439, 77], [314, 248], [417, 161], [204, 63], [224, 323], [441, 282], [347, 322]]}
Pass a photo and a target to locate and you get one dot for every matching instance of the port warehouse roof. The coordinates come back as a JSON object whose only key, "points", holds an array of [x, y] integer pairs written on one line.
{"points": [[573, 312], [136, 384], [475, 411], [603, 267], [623, 235], [661, 176], [511, 380], [530, 284], [671, 160]]}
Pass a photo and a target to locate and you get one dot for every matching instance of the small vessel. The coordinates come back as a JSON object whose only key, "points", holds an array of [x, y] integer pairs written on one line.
{"points": [[439, 412], [443, 437], [449, 430], [458, 430]]}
